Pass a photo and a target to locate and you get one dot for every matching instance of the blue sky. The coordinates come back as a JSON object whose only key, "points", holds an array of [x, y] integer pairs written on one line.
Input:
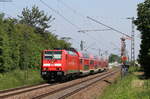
{"points": [[110, 12]]}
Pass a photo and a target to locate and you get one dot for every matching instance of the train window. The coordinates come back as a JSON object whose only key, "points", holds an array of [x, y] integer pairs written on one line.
{"points": [[69, 52], [75, 54], [72, 53], [81, 61], [53, 54], [91, 62], [85, 55]]}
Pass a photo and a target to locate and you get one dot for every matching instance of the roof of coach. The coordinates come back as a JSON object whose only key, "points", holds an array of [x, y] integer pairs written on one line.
{"points": [[80, 54], [95, 57], [51, 50], [68, 49], [91, 56], [61, 49], [83, 55]]}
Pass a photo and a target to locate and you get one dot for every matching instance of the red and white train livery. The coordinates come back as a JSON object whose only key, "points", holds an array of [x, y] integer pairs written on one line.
{"points": [[60, 63]]}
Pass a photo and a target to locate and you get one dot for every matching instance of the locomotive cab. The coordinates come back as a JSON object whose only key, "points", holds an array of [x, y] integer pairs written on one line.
{"points": [[52, 64]]}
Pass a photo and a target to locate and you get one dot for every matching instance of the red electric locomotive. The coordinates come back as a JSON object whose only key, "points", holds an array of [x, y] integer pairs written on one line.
{"points": [[59, 63]]}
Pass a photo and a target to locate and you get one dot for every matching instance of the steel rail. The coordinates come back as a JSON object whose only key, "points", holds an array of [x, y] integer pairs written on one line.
{"points": [[72, 85], [81, 88], [17, 91], [13, 89]]}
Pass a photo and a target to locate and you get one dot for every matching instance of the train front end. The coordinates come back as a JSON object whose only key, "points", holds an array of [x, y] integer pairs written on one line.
{"points": [[52, 64]]}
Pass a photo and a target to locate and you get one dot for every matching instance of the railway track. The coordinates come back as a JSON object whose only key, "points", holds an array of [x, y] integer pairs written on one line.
{"points": [[54, 91], [19, 90], [67, 91], [13, 89]]}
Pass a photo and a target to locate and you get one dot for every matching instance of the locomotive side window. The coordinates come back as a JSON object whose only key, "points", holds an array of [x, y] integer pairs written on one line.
{"points": [[91, 62], [53, 54], [81, 61], [72, 53], [85, 55]]}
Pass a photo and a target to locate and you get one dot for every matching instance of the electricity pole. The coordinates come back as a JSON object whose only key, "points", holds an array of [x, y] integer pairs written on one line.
{"points": [[123, 49], [132, 42], [81, 45], [99, 51]]}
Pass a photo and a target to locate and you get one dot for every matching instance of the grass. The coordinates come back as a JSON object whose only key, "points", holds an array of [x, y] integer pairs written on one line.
{"points": [[129, 87], [19, 78]]}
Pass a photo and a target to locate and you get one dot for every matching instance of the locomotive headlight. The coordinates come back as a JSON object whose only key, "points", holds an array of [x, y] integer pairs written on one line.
{"points": [[44, 69], [58, 68]]}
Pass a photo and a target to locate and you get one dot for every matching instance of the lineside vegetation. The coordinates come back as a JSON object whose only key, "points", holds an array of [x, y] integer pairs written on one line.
{"points": [[129, 87], [21, 43], [143, 25], [18, 78], [22, 40]]}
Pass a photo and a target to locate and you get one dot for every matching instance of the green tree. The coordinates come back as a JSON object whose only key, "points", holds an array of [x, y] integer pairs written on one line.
{"points": [[113, 58], [35, 18], [143, 25], [21, 45], [5, 58]]}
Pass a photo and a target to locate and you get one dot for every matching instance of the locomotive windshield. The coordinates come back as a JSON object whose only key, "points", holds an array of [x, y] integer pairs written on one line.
{"points": [[52, 54]]}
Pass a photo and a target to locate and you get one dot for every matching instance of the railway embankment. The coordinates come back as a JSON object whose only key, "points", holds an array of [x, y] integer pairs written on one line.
{"points": [[18, 78], [74, 89], [132, 86], [93, 91]]}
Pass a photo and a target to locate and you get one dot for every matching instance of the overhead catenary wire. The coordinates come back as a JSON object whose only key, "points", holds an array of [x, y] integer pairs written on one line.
{"points": [[83, 16], [108, 26], [70, 8], [79, 13], [76, 12], [60, 14], [93, 30], [94, 38], [54, 10]]}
